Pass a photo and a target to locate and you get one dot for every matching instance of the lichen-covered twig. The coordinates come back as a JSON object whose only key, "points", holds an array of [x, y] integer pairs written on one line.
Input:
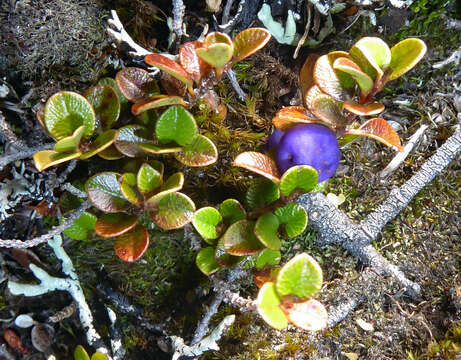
{"points": [[71, 284], [455, 57], [401, 156], [9, 134], [235, 85], [179, 11], [228, 25], [56, 230], [73, 190], [23, 154]]}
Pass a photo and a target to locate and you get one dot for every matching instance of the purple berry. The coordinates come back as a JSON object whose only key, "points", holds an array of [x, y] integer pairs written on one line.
{"points": [[274, 139], [311, 144]]}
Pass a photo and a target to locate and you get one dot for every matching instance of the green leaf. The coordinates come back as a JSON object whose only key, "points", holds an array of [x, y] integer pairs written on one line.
{"points": [[267, 257], [328, 110], [65, 112], [303, 177], [110, 225], [300, 277], [206, 261], [156, 149], [169, 66], [200, 152], [148, 179], [206, 221], [157, 102], [80, 353], [110, 153], [266, 231], [261, 193], [232, 211], [225, 259], [268, 305], [405, 55], [240, 240], [335, 84], [47, 158], [136, 84], [294, 218], [217, 50], [99, 356], [111, 82], [130, 138], [104, 192], [102, 142], [106, 104], [348, 66], [131, 245], [372, 55], [78, 230], [248, 42], [176, 124], [191, 62], [174, 183], [70, 144], [129, 189], [172, 211]]}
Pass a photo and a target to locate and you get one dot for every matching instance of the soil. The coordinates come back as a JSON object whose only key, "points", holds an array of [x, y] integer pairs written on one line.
{"points": [[47, 46]]}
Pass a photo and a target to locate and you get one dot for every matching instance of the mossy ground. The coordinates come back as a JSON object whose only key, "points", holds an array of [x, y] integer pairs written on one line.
{"points": [[423, 240]]}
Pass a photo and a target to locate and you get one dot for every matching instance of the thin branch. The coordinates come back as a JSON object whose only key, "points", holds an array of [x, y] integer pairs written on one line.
{"points": [[24, 153], [179, 11], [56, 230], [235, 85], [9, 134], [229, 25], [226, 11], [455, 57], [306, 31], [74, 191]]}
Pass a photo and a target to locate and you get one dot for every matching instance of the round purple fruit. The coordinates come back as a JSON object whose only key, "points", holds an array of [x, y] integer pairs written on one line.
{"points": [[311, 144], [274, 139]]}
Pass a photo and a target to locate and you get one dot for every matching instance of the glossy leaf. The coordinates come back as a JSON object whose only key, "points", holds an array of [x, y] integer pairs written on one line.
{"points": [[136, 84], [268, 306], [174, 183], [102, 142], [348, 66], [405, 55], [258, 163], [306, 75], [310, 315], [80, 353], [129, 189], [290, 116], [378, 129], [129, 139], [206, 261], [217, 50], [169, 66], [294, 219], [232, 211], [311, 94], [110, 225], [47, 158], [300, 277], [207, 222], [248, 42], [65, 112], [266, 231], [372, 55], [330, 82], [110, 153], [223, 258], [302, 177], [157, 102], [240, 240], [111, 82], [106, 104], [328, 110], [200, 152], [148, 179], [176, 124], [104, 192], [267, 257], [262, 193], [99, 356], [78, 230], [364, 109], [159, 149], [131, 245], [193, 64], [70, 144], [172, 211], [172, 86]]}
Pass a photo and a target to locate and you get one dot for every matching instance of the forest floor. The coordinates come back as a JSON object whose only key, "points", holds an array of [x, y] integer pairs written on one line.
{"points": [[47, 46]]}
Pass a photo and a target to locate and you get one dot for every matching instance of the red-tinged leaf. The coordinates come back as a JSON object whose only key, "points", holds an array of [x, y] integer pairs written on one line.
{"points": [[130, 138], [104, 192], [44, 208], [266, 274], [200, 152], [310, 315], [131, 245], [156, 102], [378, 129], [363, 109], [194, 65], [169, 66], [290, 116], [306, 75], [330, 82], [106, 104], [110, 153], [102, 142], [311, 94], [217, 50], [136, 84], [14, 341], [347, 66], [248, 42], [258, 163], [372, 55], [109, 225], [240, 240], [172, 86], [173, 211], [327, 109], [217, 38]]}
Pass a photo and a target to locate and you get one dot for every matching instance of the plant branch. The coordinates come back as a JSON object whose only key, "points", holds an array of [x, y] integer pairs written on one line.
{"points": [[24, 153]]}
